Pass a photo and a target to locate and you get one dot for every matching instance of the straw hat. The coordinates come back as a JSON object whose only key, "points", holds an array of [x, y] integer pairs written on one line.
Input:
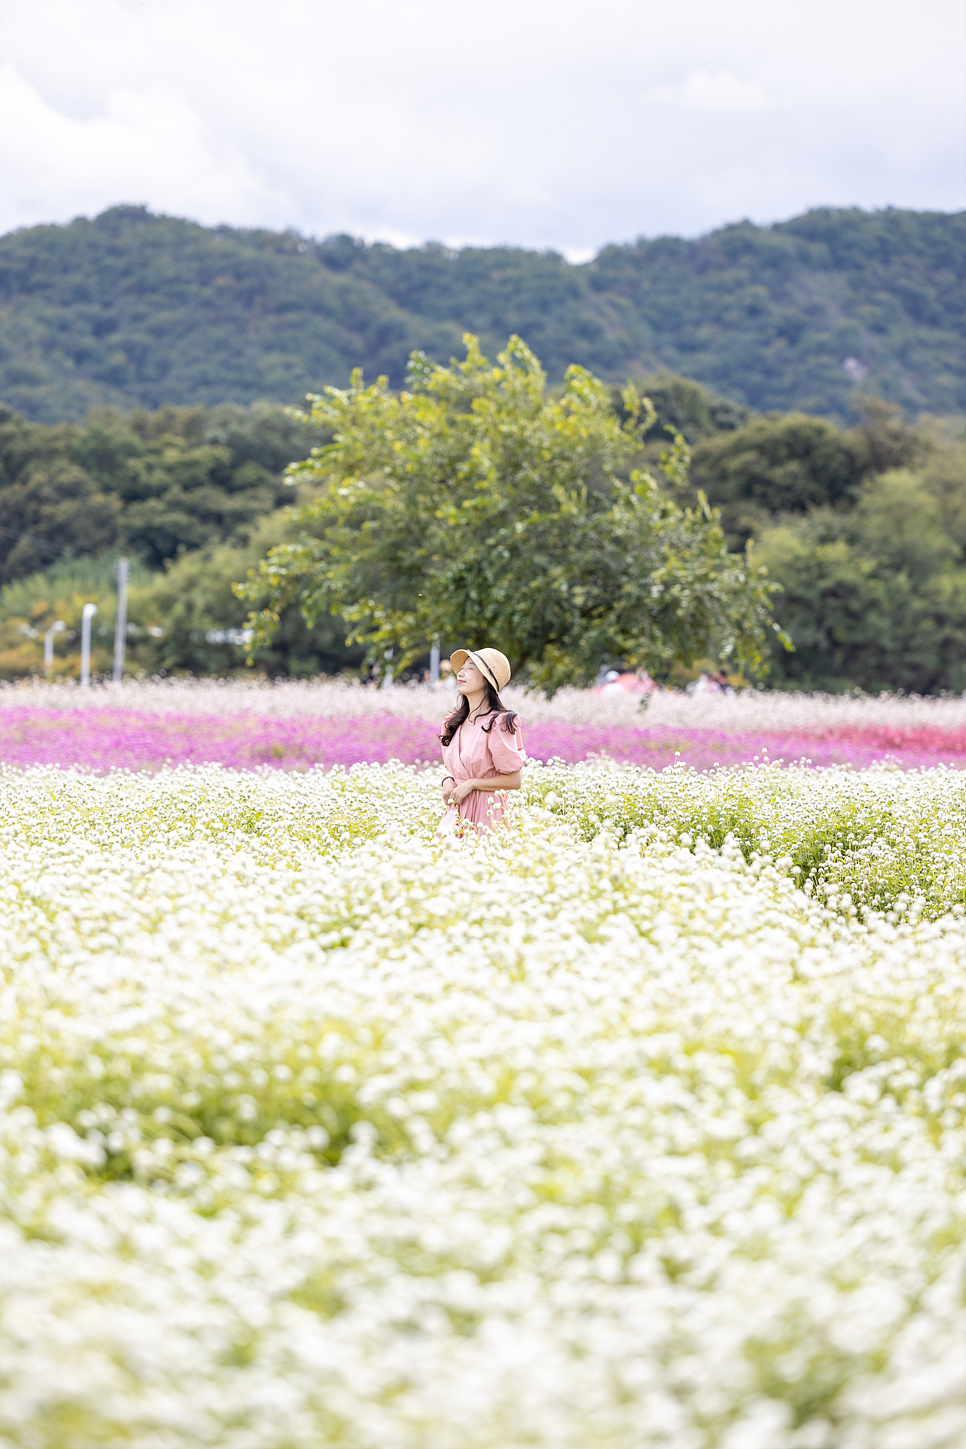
{"points": [[493, 665]]}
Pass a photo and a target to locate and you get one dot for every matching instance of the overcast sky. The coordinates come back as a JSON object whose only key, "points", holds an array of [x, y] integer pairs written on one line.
{"points": [[563, 123]]}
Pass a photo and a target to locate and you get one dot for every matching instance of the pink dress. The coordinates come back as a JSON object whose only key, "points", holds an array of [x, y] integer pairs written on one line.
{"points": [[474, 754]]}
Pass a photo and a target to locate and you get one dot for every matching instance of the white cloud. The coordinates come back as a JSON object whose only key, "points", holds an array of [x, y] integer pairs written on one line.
{"points": [[145, 146], [704, 91], [544, 123]]}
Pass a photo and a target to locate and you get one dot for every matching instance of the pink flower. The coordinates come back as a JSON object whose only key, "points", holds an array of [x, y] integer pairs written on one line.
{"points": [[102, 738]]}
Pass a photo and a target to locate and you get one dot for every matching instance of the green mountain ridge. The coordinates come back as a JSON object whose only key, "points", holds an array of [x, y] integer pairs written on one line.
{"points": [[132, 309]]}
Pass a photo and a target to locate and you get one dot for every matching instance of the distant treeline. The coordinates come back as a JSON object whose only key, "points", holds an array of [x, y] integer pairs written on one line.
{"points": [[136, 310], [864, 527]]}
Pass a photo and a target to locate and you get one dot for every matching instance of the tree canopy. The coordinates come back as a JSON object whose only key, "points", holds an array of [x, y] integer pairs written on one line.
{"points": [[135, 310], [475, 505], [789, 463], [151, 484], [864, 528], [875, 594]]}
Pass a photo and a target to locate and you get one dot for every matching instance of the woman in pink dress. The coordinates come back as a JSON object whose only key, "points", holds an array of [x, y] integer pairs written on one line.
{"points": [[482, 747]]}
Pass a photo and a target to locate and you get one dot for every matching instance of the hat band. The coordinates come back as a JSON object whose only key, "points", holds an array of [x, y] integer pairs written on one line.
{"points": [[482, 664]]}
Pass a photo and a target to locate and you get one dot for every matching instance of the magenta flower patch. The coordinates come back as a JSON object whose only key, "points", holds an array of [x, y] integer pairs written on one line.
{"points": [[104, 738]]}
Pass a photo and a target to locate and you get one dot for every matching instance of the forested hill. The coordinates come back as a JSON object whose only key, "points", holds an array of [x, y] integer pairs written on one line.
{"points": [[133, 309]]}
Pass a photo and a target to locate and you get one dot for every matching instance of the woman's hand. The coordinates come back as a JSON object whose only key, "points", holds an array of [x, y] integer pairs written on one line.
{"points": [[458, 793], [449, 785]]}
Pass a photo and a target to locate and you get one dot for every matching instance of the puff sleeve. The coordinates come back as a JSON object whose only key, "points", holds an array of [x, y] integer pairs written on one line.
{"points": [[506, 751]]}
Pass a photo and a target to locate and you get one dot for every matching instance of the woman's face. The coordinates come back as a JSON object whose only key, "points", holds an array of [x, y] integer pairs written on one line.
{"points": [[470, 679]]}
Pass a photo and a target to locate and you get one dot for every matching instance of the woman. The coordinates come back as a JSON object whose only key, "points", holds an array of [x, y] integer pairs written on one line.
{"points": [[482, 748]]}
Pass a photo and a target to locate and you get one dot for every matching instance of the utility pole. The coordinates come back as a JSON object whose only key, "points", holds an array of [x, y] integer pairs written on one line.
{"points": [[56, 628], [120, 627], [87, 615]]}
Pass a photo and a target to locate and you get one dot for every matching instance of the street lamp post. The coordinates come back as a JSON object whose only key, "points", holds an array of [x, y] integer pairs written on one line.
{"points": [[120, 628], [87, 615], [56, 628], [434, 660]]}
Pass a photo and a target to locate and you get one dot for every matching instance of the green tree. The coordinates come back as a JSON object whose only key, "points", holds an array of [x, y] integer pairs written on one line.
{"points": [[683, 406], [781, 464], [152, 485], [875, 597], [184, 619], [791, 463], [191, 620], [475, 506], [55, 508]]}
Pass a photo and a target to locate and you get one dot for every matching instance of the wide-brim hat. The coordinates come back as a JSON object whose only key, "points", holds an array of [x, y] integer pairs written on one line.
{"points": [[493, 665]]}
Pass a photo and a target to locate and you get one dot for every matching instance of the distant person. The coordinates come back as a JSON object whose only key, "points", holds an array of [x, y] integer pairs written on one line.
{"points": [[637, 684], [711, 683], [704, 684], [611, 685], [482, 745]]}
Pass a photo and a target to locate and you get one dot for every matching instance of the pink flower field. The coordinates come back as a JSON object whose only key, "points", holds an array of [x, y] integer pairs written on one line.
{"points": [[100, 736]]}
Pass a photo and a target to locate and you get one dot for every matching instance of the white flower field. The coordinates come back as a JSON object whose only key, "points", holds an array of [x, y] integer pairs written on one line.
{"points": [[639, 1124]]}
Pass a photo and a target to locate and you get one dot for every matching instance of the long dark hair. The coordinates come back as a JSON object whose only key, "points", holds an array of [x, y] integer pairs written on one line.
{"points": [[494, 707]]}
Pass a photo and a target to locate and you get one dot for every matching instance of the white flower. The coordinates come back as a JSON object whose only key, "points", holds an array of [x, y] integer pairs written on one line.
{"points": [[631, 1136]]}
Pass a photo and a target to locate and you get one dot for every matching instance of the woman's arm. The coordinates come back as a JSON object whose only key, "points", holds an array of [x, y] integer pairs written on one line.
{"points": [[490, 782]]}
